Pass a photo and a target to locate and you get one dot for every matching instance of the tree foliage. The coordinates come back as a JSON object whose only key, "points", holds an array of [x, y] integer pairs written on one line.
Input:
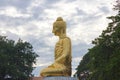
{"points": [[103, 59], [16, 59]]}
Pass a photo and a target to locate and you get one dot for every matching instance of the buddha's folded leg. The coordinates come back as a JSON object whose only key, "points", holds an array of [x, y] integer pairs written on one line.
{"points": [[54, 70]]}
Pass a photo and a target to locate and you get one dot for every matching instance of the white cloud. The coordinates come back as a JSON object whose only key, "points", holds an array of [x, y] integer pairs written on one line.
{"points": [[2, 32], [50, 41], [61, 8], [77, 59], [34, 4], [44, 64], [13, 12]]}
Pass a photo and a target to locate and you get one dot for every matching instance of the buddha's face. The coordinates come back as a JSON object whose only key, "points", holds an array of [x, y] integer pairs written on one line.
{"points": [[56, 31]]}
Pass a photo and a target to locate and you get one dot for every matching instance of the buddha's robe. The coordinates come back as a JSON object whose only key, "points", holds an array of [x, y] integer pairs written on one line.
{"points": [[62, 63]]}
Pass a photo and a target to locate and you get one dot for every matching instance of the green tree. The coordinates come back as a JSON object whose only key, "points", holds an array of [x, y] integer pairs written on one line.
{"points": [[16, 59], [103, 59]]}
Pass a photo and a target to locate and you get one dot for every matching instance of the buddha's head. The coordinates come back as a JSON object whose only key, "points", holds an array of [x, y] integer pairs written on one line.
{"points": [[59, 27]]}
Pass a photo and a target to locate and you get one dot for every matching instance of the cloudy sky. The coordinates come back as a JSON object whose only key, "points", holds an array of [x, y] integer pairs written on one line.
{"points": [[32, 21]]}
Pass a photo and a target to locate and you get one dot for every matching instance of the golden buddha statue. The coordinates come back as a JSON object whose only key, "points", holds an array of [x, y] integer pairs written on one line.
{"points": [[62, 63]]}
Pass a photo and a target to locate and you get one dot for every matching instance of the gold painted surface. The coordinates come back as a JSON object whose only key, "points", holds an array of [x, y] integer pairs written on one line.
{"points": [[62, 53]]}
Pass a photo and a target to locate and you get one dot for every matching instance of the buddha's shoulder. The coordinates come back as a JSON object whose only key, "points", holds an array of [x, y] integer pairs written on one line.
{"points": [[66, 39], [63, 40]]}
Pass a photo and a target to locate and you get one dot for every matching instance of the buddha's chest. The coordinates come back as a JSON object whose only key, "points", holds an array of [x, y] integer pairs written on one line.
{"points": [[59, 48]]}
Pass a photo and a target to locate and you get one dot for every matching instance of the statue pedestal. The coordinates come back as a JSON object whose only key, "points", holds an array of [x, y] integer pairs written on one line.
{"points": [[59, 78], [54, 78]]}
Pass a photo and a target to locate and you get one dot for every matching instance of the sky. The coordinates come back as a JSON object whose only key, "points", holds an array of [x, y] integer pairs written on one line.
{"points": [[32, 21]]}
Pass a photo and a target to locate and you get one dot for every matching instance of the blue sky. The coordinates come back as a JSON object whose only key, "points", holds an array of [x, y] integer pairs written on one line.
{"points": [[32, 21]]}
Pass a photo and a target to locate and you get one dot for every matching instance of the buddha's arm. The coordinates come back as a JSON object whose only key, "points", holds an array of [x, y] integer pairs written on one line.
{"points": [[66, 49]]}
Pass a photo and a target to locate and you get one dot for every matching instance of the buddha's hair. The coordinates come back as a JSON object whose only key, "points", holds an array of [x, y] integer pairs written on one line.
{"points": [[59, 19]]}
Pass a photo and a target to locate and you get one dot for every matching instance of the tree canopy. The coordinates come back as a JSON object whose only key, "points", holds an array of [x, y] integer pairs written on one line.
{"points": [[16, 59], [102, 61]]}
